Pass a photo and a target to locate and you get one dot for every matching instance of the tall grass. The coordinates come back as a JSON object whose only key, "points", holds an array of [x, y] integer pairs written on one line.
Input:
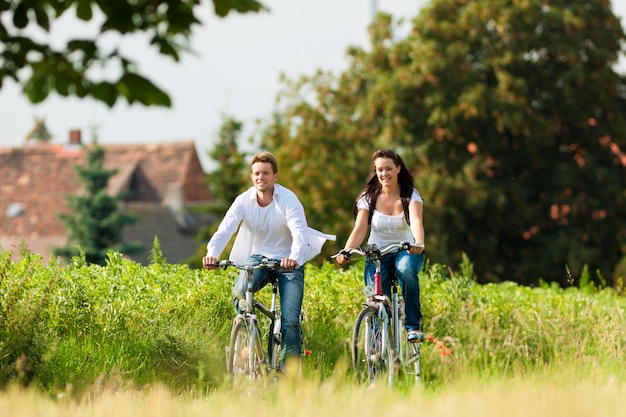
{"points": [[541, 398], [69, 328]]}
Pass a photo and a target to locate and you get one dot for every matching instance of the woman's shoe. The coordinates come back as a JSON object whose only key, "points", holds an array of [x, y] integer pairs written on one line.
{"points": [[415, 336]]}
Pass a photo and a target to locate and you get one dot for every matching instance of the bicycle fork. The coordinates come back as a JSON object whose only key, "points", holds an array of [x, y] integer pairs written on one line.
{"points": [[373, 331], [397, 325]]}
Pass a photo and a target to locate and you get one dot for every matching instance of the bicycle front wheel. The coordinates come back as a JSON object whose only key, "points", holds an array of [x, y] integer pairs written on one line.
{"points": [[245, 353], [371, 347]]}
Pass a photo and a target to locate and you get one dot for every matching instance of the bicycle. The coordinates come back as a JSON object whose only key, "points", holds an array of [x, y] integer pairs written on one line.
{"points": [[378, 336], [245, 355]]}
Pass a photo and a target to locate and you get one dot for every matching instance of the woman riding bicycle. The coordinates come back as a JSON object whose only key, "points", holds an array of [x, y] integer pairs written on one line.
{"points": [[391, 205]]}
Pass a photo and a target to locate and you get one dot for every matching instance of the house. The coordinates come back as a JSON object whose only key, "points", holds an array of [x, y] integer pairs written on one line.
{"points": [[160, 182]]}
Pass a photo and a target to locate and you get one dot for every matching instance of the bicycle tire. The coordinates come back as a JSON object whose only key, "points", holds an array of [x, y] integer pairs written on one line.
{"points": [[371, 360], [245, 353]]}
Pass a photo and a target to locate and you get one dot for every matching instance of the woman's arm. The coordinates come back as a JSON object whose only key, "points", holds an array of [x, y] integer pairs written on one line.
{"points": [[416, 210], [358, 233]]}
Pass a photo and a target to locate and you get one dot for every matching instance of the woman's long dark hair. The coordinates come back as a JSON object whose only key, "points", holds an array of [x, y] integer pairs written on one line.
{"points": [[372, 186]]}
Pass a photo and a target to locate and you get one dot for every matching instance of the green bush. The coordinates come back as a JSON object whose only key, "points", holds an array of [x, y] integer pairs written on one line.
{"points": [[79, 324]]}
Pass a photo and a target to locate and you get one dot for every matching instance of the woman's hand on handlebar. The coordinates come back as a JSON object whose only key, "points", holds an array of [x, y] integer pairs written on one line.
{"points": [[416, 249], [209, 262], [343, 257]]}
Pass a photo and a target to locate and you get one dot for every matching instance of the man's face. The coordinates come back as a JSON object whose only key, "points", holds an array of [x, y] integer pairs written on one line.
{"points": [[263, 177]]}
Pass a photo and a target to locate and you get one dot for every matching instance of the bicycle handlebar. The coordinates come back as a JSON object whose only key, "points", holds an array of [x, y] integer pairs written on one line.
{"points": [[265, 263], [368, 250]]}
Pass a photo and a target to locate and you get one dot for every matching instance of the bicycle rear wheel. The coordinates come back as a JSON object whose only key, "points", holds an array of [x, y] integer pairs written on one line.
{"points": [[371, 348], [245, 353], [410, 372]]}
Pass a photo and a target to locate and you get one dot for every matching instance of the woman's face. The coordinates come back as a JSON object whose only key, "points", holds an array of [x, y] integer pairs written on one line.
{"points": [[386, 171]]}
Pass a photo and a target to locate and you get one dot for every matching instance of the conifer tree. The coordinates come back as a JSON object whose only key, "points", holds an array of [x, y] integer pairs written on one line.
{"points": [[229, 178], [225, 181], [95, 224]]}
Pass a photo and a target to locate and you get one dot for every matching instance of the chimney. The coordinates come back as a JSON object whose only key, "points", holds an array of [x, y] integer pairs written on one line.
{"points": [[75, 137]]}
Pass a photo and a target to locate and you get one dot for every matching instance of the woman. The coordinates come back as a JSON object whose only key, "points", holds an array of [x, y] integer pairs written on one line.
{"points": [[393, 207]]}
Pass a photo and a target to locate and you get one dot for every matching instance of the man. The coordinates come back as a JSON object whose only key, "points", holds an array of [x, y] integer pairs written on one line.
{"points": [[273, 226]]}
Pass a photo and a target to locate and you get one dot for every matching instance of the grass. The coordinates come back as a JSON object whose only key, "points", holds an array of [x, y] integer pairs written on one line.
{"points": [[554, 396], [132, 340]]}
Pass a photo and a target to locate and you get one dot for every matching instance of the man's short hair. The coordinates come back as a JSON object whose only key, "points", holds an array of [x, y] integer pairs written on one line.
{"points": [[265, 157]]}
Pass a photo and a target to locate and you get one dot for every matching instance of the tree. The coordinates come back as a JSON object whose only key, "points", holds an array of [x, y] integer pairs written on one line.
{"points": [[329, 125], [95, 225], [513, 117], [226, 181], [71, 71], [230, 176], [520, 108], [39, 132]]}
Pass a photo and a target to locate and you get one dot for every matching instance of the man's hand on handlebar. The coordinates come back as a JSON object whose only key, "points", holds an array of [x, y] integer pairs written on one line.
{"points": [[287, 263], [209, 262]]}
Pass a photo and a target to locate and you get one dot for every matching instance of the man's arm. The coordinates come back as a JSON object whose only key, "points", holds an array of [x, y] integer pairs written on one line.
{"points": [[296, 221], [228, 226]]}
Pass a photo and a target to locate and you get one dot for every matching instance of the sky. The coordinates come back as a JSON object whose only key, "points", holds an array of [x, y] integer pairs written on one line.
{"points": [[234, 71]]}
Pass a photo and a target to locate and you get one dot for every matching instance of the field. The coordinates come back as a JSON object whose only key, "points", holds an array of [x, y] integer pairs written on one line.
{"points": [[128, 340]]}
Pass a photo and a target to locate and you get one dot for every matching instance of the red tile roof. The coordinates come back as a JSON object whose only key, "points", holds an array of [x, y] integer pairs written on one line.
{"points": [[36, 179]]}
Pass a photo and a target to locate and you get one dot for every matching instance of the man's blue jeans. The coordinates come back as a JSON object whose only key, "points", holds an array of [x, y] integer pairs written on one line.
{"points": [[405, 266], [291, 290]]}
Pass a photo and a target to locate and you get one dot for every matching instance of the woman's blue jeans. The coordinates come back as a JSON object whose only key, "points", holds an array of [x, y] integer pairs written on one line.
{"points": [[291, 290], [405, 266]]}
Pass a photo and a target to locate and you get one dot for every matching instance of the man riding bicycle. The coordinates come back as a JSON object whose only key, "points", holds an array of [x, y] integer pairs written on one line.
{"points": [[273, 226]]}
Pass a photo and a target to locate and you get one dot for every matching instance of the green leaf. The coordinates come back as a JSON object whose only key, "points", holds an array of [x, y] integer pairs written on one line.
{"points": [[137, 88], [41, 16], [62, 84], [20, 16], [105, 92], [36, 88], [165, 47], [83, 10], [223, 7]]}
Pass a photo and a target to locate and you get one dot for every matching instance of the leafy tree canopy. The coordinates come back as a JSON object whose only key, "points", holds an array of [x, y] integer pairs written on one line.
{"points": [[512, 117], [72, 69]]}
